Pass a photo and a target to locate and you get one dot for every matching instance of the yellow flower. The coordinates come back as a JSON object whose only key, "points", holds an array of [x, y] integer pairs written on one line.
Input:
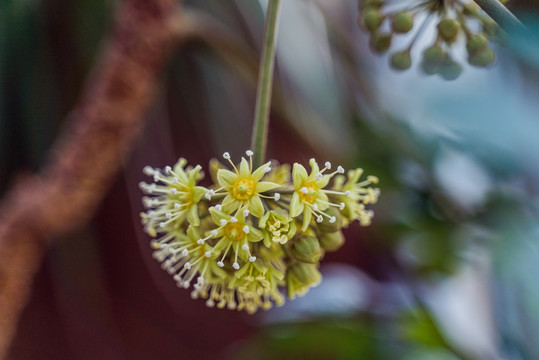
{"points": [[243, 187], [175, 200]]}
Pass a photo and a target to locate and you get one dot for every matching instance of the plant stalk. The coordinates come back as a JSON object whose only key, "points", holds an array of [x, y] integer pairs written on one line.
{"points": [[499, 13], [265, 79]]}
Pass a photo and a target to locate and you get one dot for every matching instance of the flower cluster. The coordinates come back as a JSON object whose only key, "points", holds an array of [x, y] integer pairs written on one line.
{"points": [[239, 241], [455, 19]]}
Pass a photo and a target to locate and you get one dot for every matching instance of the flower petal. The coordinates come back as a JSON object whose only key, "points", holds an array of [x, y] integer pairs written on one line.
{"points": [[226, 177], [265, 186], [254, 234], [231, 204], [296, 205], [255, 206], [299, 175], [307, 216], [244, 168], [259, 173], [314, 167], [192, 216]]}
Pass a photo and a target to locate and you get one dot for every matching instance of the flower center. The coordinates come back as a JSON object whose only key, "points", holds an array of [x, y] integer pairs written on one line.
{"points": [[243, 189], [310, 196], [234, 231]]}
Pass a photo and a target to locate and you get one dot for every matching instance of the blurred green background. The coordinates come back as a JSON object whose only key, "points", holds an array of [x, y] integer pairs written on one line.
{"points": [[446, 271]]}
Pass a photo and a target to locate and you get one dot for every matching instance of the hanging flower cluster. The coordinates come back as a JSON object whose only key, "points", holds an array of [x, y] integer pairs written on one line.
{"points": [[238, 242], [455, 19]]}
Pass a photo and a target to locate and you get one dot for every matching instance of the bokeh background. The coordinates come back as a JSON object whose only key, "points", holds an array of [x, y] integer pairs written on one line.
{"points": [[448, 270]]}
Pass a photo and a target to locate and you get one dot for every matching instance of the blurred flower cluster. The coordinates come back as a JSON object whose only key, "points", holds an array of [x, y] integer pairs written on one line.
{"points": [[241, 239], [455, 20]]}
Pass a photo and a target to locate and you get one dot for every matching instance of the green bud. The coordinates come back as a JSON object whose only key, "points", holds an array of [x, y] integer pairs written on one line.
{"points": [[332, 241], [429, 69], [476, 43], [300, 277], [483, 58], [370, 3], [449, 29], [307, 249], [434, 55], [372, 19], [471, 9], [401, 61], [402, 22], [326, 225], [380, 43], [450, 70]]}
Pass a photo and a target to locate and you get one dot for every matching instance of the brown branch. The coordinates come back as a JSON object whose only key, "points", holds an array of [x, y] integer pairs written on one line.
{"points": [[88, 154]]}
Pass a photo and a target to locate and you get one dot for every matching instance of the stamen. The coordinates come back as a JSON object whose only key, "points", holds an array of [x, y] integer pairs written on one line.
{"points": [[315, 207], [187, 265], [220, 264], [226, 155], [246, 229], [252, 258], [304, 190], [200, 241], [267, 169], [148, 170], [276, 196], [249, 153], [245, 247], [168, 215], [185, 252], [214, 233], [245, 213], [341, 206], [319, 219], [177, 206], [235, 265], [233, 219], [219, 207], [319, 176], [348, 193], [327, 165], [332, 220], [340, 169], [223, 222], [173, 191], [207, 254], [168, 170]]}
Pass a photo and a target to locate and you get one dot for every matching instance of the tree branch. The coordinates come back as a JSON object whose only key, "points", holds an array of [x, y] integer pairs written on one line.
{"points": [[88, 154]]}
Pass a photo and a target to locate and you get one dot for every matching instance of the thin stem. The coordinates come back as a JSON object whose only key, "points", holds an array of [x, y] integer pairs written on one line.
{"points": [[265, 79], [499, 13]]}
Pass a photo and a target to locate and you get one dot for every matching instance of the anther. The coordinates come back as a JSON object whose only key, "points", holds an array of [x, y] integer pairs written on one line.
{"points": [[319, 176], [315, 207], [173, 191], [304, 190], [348, 193], [200, 280], [233, 219], [332, 220], [267, 169], [245, 213], [252, 258], [168, 170], [156, 176], [319, 219], [187, 265], [200, 241], [207, 254], [220, 264], [148, 170], [177, 206], [168, 215], [162, 224], [246, 229], [236, 266], [249, 153], [327, 165], [226, 156], [245, 247], [223, 222], [340, 169], [208, 195], [341, 206], [276, 196], [219, 207], [185, 252], [213, 233]]}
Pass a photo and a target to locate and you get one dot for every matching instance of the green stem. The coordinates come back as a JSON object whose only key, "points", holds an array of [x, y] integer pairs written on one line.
{"points": [[265, 79], [499, 13]]}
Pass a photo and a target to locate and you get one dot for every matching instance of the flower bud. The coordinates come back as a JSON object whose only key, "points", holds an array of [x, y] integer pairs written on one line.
{"points": [[429, 69], [380, 43], [482, 59], [300, 277], [476, 43], [307, 249], [450, 70], [490, 27], [372, 19], [326, 225], [370, 3], [434, 55], [401, 61], [449, 29], [402, 22], [471, 9], [332, 241]]}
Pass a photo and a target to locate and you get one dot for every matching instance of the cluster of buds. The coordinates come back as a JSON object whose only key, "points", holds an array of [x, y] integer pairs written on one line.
{"points": [[239, 242], [454, 20]]}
